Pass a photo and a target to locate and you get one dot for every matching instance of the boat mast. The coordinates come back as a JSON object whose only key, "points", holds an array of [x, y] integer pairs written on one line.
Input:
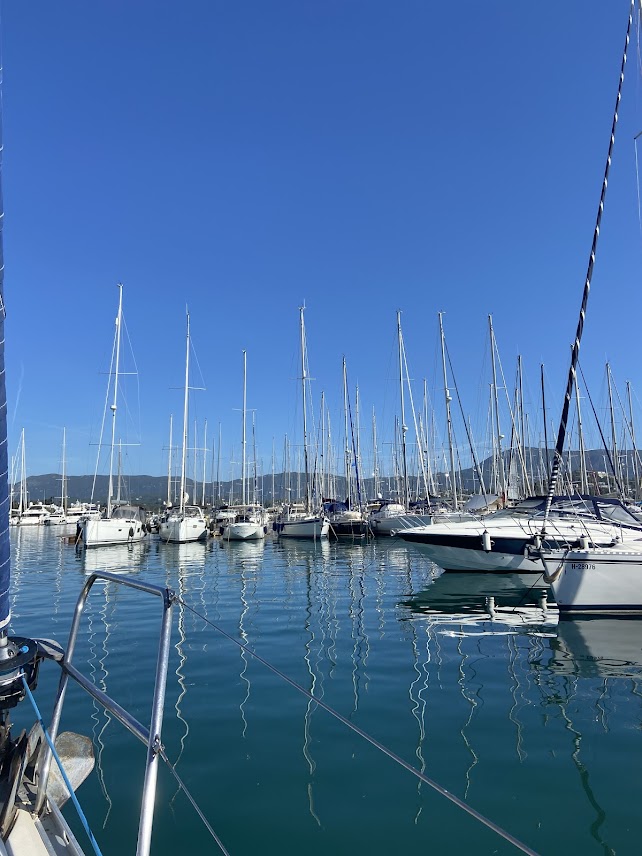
{"points": [[616, 459], [323, 448], [448, 399], [218, 465], [204, 461], [548, 462], [185, 420], [357, 420], [273, 466], [403, 426], [584, 488], [559, 446], [305, 415], [498, 433], [63, 488], [115, 399], [243, 441], [636, 474], [347, 450], [375, 463], [23, 474]]}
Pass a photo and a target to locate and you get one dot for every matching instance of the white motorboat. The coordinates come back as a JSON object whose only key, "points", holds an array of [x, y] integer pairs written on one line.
{"points": [[56, 518], [391, 516], [500, 542], [34, 515]]}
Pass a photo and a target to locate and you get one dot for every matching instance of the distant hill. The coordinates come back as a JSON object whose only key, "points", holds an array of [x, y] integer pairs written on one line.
{"points": [[151, 491]]}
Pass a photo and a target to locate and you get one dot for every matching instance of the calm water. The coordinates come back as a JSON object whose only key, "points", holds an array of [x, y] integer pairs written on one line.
{"points": [[537, 726]]}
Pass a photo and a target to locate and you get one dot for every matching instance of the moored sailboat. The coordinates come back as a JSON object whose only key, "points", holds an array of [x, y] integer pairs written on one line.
{"points": [[292, 523], [120, 524], [187, 522]]}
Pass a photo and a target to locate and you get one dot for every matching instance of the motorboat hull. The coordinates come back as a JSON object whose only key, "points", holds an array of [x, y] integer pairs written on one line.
{"points": [[391, 525]]}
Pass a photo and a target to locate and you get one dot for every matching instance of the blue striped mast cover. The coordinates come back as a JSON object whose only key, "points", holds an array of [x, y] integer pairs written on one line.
{"points": [[559, 446], [5, 569]]}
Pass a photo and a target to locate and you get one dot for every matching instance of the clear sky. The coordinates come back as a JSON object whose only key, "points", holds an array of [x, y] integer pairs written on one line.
{"points": [[359, 155]]}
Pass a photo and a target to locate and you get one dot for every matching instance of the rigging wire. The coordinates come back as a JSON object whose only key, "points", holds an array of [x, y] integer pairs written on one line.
{"points": [[373, 741]]}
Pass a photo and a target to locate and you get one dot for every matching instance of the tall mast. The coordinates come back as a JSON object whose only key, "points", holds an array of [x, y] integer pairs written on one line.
{"points": [[448, 399], [63, 489], [403, 426], [169, 463], [498, 435], [548, 463], [185, 418], [522, 421], [375, 463], [561, 435], [273, 465], [583, 476], [120, 471], [357, 463], [636, 474], [204, 460], [616, 459], [243, 442], [305, 415], [324, 492], [115, 398], [218, 465], [23, 475], [254, 486], [347, 451]]}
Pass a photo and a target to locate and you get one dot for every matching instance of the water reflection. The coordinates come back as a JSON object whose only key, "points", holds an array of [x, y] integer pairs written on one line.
{"points": [[118, 558], [488, 601], [579, 667], [594, 646]]}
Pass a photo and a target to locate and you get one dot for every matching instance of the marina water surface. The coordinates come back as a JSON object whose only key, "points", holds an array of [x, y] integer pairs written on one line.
{"points": [[534, 723]]}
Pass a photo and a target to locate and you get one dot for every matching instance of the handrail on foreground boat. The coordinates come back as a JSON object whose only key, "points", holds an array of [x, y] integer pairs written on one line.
{"points": [[152, 736]]}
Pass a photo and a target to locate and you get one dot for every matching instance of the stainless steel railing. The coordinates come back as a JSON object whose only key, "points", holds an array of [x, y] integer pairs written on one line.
{"points": [[150, 736]]}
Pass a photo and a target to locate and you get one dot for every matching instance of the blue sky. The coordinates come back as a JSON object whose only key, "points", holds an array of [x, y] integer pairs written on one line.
{"points": [[363, 157]]}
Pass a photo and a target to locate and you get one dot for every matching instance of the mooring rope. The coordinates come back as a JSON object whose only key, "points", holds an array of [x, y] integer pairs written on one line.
{"points": [[372, 740]]}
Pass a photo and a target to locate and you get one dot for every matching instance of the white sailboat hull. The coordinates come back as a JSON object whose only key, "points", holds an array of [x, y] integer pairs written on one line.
{"points": [[178, 530], [607, 579], [243, 532], [306, 527], [102, 533]]}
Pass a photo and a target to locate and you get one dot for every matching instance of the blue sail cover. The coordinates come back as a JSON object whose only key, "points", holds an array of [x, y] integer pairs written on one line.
{"points": [[5, 570]]}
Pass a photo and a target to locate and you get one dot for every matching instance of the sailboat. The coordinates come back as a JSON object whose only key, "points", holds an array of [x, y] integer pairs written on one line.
{"points": [[250, 521], [391, 516], [120, 524], [187, 522], [346, 518], [292, 523]]}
